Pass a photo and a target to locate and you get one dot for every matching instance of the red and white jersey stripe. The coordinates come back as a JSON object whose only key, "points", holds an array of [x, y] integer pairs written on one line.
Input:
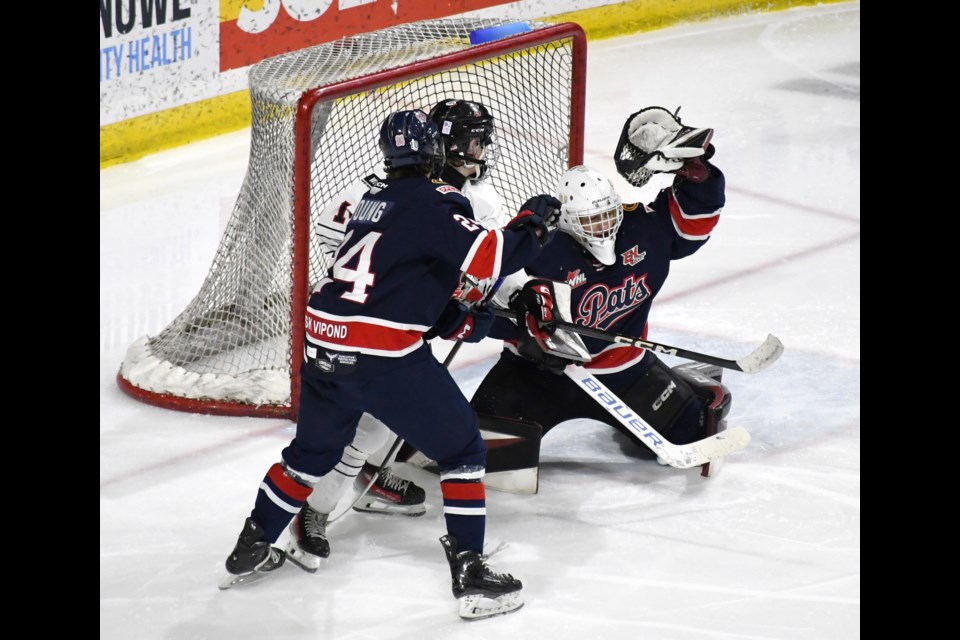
{"points": [[364, 334], [689, 226]]}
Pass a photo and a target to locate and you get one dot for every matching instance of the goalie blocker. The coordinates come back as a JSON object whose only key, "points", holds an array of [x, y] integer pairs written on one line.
{"points": [[685, 403]]}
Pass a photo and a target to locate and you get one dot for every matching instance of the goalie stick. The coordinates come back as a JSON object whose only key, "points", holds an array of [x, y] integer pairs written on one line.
{"points": [[681, 456], [762, 357]]}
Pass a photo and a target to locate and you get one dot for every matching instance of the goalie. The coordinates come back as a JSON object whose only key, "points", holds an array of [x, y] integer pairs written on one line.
{"points": [[606, 267]]}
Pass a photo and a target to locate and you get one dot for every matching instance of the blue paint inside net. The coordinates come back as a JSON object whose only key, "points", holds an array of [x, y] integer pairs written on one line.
{"points": [[490, 34]]}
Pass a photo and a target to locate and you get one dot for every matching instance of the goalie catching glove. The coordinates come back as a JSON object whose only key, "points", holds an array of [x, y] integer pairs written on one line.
{"points": [[654, 140], [538, 306]]}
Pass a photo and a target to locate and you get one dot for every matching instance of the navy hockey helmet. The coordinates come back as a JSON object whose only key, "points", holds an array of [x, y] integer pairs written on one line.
{"points": [[468, 132], [410, 138]]}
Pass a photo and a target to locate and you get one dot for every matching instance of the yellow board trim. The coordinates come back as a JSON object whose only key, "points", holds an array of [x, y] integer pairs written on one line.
{"points": [[134, 138]]}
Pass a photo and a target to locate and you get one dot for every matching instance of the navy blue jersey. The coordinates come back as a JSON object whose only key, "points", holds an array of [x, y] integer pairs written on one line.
{"points": [[617, 298], [399, 263]]}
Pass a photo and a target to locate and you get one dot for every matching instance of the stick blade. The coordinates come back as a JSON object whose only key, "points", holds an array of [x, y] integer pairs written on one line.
{"points": [[763, 356], [722, 444], [703, 451]]}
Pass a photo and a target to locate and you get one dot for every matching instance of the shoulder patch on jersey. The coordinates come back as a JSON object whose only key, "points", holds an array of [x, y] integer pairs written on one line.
{"points": [[631, 206], [448, 188], [633, 256], [576, 278], [374, 182]]}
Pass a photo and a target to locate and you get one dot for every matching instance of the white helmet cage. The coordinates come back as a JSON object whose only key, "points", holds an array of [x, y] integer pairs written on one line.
{"points": [[592, 211]]}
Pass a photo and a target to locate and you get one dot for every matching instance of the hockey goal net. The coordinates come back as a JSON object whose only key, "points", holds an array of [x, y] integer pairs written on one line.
{"points": [[316, 113]]}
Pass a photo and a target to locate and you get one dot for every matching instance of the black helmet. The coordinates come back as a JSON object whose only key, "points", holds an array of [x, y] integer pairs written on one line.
{"points": [[460, 122], [409, 138]]}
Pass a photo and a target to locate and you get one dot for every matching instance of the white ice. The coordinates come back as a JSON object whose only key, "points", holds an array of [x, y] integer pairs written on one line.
{"points": [[610, 548]]}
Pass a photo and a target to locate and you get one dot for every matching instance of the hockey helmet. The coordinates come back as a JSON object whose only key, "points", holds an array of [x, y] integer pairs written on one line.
{"points": [[592, 211], [410, 138], [469, 135]]}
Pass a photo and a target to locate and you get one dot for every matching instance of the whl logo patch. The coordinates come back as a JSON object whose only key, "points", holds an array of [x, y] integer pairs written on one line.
{"points": [[575, 278], [633, 256]]}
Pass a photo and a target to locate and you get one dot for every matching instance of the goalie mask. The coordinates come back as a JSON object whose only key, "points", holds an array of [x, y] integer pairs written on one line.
{"points": [[468, 134], [592, 211]]}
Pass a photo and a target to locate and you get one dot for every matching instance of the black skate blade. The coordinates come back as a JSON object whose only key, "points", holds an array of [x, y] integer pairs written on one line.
{"points": [[410, 511]]}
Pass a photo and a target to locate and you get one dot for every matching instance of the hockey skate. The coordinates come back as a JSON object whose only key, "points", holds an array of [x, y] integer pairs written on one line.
{"points": [[389, 494], [481, 592], [252, 558], [308, 544]]}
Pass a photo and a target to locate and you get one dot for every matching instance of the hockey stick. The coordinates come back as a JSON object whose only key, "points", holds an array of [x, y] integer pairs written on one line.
{"points": [[762, 357], [398, 441], [387, 461], [681, 456]]}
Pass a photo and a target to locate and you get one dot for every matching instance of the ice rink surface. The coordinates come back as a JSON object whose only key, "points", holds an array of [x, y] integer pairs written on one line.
{"points": [[611, 547]]}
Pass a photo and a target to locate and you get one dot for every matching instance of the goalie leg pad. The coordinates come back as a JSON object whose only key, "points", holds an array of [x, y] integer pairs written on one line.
{"points": [[685, 404], [665, 400], [513, 454], [705, 380]]}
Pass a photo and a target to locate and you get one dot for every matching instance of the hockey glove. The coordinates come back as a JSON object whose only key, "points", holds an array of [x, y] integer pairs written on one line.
{"points": [[535, 307], [654, 141], [459, 322], [528, 349], [540, 214]]}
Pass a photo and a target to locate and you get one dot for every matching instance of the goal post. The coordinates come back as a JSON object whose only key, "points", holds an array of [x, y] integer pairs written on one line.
{"points": [[316, 114]]}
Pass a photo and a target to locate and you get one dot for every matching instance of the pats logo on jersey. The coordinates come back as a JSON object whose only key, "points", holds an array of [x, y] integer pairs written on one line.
{"points": [[633, 256], [575, 278], [602, 305]]}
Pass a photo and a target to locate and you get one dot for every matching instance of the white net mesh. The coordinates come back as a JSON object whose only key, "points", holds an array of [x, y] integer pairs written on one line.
{"points": [[231, 350]]}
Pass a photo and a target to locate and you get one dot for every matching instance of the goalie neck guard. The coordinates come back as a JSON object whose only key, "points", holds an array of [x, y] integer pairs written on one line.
{"points": [[592, 211]]}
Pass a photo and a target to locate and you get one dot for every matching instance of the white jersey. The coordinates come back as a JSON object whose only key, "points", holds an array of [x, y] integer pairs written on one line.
{"points": [[487, 206], [332, 221]]}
